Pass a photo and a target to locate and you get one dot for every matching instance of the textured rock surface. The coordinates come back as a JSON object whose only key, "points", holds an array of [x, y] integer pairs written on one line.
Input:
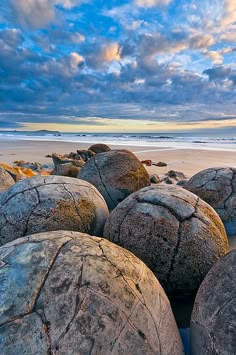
{"points": [[217, 186], [173, 231], [5, 180], [116, 174], [49, 203], [213, 323], [67, 169], [99, 148], [70, 293]]}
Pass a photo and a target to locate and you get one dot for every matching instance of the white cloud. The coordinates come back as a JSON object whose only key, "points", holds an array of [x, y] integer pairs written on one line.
{"points": [[38, 13], [229, 16], [152, 3]]}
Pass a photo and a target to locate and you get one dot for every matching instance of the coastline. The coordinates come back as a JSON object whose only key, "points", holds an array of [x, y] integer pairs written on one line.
{"points": [[187, 160]]}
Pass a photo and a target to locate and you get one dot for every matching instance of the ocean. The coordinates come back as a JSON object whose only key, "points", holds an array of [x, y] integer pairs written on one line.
{"points": [[167, 140]]}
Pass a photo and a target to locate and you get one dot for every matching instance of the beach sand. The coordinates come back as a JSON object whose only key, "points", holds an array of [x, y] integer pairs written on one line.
{"points": [[189, 161]]}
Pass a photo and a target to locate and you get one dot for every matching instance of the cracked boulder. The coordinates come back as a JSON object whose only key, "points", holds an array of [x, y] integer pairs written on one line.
{"points": [[99, 148], [217, 186], [42, 204], [213, 322], [5, 180], [69, 293], [173, 231], [116, 174]]}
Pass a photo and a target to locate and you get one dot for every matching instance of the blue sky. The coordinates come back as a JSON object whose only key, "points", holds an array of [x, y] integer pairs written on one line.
{"points": [[141, 65]]}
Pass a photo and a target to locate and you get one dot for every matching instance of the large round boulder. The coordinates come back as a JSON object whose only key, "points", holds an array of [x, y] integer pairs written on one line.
{"points": [[173, 231], [70, 293], [42, 204], [213, 322], [5, 180], [116, 174], [217, 186], [99, 148]]}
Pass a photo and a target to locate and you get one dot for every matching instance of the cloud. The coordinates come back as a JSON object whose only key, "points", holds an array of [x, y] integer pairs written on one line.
{"points": [[10, 125], [152, 3], [38, 13], [229, 15], [110, 52]]}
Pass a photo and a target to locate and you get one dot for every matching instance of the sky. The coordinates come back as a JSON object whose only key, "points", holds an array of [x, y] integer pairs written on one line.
{"points": [[139, 65]]}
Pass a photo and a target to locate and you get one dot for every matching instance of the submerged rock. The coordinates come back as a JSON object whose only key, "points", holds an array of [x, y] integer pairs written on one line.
{"points": [[116, 174], [81, 295], [174, 232], [48, 203]]}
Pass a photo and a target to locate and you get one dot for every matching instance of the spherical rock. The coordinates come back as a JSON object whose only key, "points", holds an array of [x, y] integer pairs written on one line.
{"points": [[213, 322], [43, 204], [99, 148], [116, 174], [173, 231], [5, 180], [70, 293], [217, 186]]}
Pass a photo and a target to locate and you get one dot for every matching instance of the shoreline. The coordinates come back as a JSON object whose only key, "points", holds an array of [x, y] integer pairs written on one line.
{"points": [[187, 160]]}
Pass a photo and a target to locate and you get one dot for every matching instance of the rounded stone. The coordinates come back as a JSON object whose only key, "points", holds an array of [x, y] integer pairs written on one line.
{"points": [[42, 204], [213, 322], [99, 148], [70, 293], [116, 174], [5, 180], [217, 186], [173, 231]]}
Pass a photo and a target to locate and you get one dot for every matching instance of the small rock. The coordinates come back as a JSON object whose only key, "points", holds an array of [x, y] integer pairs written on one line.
{"points": [[147, 162], [182, 182], [176, 174], [167, 180], [160, 163], [155, 179], [99, 148], [48, 156]]}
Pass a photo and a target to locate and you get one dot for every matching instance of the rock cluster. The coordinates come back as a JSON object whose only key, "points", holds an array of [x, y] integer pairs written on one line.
{"points": [[116, 174], [50, 203], [173, 231], [217, 186], [70, 293]]}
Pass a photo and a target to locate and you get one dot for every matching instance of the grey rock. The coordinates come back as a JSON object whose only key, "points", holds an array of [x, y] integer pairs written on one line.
{"points": [[217, 186], [174, 232], [213, 322], [5, 180], [160, 163], [67, 169], [155, 179], [182, 182], [86, 154], [116, 174], [48, 203], [168, 181], [176, 174], [62, 159], [70, 293]]}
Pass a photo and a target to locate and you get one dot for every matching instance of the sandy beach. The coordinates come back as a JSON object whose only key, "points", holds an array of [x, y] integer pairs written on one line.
{"points": [[189, 161]]}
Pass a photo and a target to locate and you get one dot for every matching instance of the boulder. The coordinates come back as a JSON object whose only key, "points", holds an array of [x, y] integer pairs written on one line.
{"points": [[155, 179], [86, 154], [45, 203], [61, 160], [176, 174], [213, 322], [217, 186], [168, 181], [116, 174], [5, 180], [70, 293], [182, 182], [174, 232], [67, 169], [99, 148]]}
